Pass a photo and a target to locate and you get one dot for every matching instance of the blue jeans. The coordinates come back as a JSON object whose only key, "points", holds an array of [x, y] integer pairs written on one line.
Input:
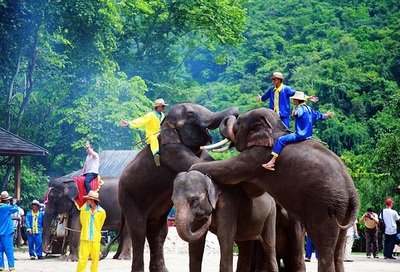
{"points": [[88, 178]]}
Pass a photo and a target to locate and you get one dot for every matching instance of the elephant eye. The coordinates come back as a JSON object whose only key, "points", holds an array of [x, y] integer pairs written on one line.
{"points": [[194, 201]]}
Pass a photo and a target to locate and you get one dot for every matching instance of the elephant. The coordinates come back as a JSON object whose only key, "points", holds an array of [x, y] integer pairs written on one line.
{"points": [[60, 199], [228, 212], [310, 181], [145, 190]]}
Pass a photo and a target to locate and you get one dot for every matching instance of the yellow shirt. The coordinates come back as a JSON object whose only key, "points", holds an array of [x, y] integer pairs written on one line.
{"points": [[151, 121], [92, 222]]}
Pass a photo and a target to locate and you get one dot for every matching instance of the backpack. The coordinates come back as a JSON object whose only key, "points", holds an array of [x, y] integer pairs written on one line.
{"points": [[382, 223]]}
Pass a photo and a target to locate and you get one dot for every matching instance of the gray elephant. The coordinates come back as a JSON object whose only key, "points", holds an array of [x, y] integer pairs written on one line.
{"points": [[145, 190], [310, 181], [229, 213], [60, 199]]}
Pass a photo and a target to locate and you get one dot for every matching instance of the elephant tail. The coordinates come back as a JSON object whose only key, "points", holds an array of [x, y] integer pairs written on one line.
{"points": [[105, 252], [351, 213]]}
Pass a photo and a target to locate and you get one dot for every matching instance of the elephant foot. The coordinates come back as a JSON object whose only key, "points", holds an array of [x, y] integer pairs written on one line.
{"points": [[122, 257], [72, 258]]}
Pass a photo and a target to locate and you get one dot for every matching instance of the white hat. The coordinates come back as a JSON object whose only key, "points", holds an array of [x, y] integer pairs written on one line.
{"points": [[92, 195], [299, 95], [160, 102], [5, 196], [277, 75], [35, 202]]}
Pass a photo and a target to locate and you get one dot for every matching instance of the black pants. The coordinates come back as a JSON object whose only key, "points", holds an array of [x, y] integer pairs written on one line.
{"points": [[371, 237], [390, 241]]}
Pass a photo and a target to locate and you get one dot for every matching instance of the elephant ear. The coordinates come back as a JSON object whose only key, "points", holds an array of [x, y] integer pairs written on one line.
{"points": [[168, 133], [71, 190], [213, 191]]}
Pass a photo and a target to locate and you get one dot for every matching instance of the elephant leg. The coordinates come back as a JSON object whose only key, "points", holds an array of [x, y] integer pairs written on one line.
{"points": [[325, 241], [339, 251], [196, 252], [156, 233], [73, 237], [295, 260], [124, 246], [269, 242], [247, 260], [137, 232]]}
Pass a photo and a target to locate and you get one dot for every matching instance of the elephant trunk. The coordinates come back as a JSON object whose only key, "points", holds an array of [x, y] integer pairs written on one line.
{"points": [[184, 221], [48, 218], [216, 118]]}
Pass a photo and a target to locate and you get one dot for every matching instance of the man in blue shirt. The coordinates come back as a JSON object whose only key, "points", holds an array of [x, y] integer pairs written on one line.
{"points": [[305, 118], [6, 230], [279, 95], [34, 228]]}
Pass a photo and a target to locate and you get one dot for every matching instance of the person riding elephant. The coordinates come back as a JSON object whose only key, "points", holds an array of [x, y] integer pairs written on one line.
{"points": [[61, 197], [228, 212], [145, 190], [311, 183]]}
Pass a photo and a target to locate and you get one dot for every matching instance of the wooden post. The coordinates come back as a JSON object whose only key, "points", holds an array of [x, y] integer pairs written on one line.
{"points": [[17, 177]]}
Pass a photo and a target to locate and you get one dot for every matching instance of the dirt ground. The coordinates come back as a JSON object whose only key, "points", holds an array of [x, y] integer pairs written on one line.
{"points": [[177, 260]]}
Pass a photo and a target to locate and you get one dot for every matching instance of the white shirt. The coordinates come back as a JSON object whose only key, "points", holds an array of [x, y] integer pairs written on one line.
{"points": [[92, 164], [351, 231], [18, 215], [390, 217]]}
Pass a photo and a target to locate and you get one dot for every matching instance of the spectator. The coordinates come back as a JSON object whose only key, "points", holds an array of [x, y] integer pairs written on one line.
{"points": [[19, 222], [34, 228], [390, 217], [6, 230], [351, 235], [371, 232], [309, 249]]}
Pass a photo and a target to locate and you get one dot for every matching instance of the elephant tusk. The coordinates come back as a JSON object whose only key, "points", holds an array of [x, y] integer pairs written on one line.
{"points": [[220, 143], [222, 149]]}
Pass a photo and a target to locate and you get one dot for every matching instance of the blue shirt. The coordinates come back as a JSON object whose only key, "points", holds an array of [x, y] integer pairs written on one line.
{"points": [[305, 120], [29, 222], [284, 99], [6, 224]]}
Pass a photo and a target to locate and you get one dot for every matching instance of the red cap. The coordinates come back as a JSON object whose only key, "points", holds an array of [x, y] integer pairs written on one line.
{"points": [[389, 202]]}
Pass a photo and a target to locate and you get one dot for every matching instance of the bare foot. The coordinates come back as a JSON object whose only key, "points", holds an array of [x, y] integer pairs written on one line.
{"points": [[269, 166]]}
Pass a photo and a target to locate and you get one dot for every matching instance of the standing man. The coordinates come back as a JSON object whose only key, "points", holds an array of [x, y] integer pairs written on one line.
{"points": [[351, 235], [92, 218], [34, 228], [390, 217], [151, 121], [305, 118], [91, 167], [6, 230], [371, 232], [279, 95]]}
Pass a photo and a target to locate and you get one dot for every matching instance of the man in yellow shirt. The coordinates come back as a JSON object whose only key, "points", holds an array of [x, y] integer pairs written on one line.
{"points": [[92, 218], [151, 121]]}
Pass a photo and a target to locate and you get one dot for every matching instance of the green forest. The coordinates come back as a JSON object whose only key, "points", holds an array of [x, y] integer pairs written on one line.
{"points": [[72, 70]]}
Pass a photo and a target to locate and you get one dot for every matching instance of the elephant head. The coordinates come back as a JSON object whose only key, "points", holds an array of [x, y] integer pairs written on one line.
{"points": [[259, 127], [188, 124], [195, 197], [59, 199]]}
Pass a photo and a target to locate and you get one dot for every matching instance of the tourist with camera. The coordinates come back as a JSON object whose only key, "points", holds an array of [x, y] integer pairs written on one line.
{"points": [[371, 221]]}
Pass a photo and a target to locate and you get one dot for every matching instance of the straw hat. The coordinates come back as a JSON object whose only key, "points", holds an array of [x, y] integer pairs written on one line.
{"points": [[160, 102], [5, 196], [299, 96], [277, 75], [92, 195]]}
